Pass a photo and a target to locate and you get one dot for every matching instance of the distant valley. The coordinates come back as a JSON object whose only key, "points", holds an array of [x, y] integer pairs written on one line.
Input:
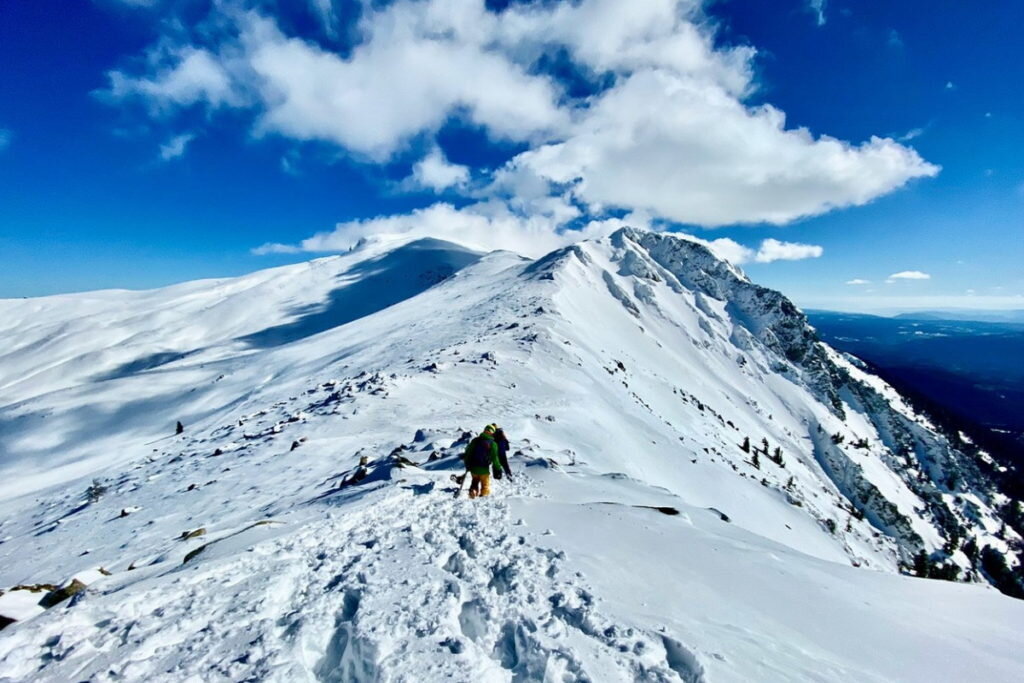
{"points": [[968, 373]]}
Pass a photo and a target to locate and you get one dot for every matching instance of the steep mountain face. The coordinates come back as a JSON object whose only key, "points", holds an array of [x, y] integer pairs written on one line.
{"points": [[324, 407], [879, 459]]}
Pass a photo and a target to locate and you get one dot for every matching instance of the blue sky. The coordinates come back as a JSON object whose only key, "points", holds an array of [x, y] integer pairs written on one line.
{"points": [[147, 142]]}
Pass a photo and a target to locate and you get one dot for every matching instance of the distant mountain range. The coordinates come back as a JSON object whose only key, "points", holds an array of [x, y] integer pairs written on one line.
{"points": [[967, 314]]}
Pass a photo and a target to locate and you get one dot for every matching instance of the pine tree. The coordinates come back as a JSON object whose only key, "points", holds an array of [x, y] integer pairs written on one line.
{"points": [[970, 549], [764, 445], [756, 460], [921, 564], [778, 456], [95, 490], [746, 444]]}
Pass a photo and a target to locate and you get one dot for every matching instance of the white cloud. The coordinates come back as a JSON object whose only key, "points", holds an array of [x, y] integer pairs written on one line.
{"points": [[180, 77], [535, 231], [175, 147], [403, 81], [908, 275], [911, 134], [858, 281], [729, 250], [950, 85], [5, 138], [691, 153], [485, 226], [435, 172], [774, 250], [770, 250], [670, 136], [818, 8]]}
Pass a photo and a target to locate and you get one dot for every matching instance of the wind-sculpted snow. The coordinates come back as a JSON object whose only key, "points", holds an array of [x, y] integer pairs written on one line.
{"points": [[700, 485]]}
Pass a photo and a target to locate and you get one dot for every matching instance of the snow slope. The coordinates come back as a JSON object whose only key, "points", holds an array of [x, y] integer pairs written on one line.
{"points": [[627, 372]]}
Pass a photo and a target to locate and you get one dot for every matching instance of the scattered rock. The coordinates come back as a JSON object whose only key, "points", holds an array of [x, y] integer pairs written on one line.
{"points": [[61, 594], [664, 509], [195, 533], [192, 553]]}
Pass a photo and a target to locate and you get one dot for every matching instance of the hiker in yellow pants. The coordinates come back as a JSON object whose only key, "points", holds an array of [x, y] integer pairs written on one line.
{"points": [[481, 454]]}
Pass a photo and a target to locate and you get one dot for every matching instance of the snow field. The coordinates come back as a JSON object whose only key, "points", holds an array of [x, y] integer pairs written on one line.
{"points": [[623, 389]]}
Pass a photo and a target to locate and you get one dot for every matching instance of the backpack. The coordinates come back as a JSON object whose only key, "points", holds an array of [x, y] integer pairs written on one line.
{"points": [[479, 455]]}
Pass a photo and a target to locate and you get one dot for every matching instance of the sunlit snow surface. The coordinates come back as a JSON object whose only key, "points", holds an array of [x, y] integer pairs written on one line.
{"points": [[623, 389]]}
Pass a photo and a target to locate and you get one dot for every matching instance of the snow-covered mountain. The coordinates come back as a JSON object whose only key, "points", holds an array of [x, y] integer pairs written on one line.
{"points": [[703, 490]]}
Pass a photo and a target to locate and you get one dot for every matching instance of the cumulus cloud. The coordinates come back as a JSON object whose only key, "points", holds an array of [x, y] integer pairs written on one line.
{"points": [[769, 251], [858, 281], [693, 154], [179, 78], [485, 226], [908, 275], [409, 76], [774, 250], [436, 173], [665, 131], [175, 147]]}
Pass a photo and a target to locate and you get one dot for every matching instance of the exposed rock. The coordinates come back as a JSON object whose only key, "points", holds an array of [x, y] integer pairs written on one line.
{"points": [[61, 594]]}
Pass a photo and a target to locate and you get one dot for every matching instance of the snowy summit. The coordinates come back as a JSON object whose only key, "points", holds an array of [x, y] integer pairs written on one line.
{"points": [[700, 489]]}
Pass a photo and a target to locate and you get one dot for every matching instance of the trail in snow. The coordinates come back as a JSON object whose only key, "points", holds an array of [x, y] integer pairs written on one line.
{"points": [[407, 584]]}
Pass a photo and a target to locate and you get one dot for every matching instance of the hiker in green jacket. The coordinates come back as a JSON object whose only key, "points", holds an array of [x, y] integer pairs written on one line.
{"points": [[481, 454]]}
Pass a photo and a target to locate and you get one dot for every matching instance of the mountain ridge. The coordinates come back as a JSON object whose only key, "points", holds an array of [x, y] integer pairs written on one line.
{"points": [[632, 369]]}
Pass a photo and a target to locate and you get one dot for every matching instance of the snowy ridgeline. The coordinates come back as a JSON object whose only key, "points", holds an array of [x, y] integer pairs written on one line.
{"points": [[703, 492]]}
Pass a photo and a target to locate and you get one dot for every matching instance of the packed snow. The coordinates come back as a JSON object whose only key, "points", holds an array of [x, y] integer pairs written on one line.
{"points": [[304, 525]]}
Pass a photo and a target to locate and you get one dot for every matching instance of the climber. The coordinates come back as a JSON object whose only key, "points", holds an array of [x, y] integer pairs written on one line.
{"points": [[502, 441], [481, 454], [179, 428]]}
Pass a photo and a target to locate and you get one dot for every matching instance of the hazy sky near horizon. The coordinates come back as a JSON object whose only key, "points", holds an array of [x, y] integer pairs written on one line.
{"points": [[855, 157]]}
